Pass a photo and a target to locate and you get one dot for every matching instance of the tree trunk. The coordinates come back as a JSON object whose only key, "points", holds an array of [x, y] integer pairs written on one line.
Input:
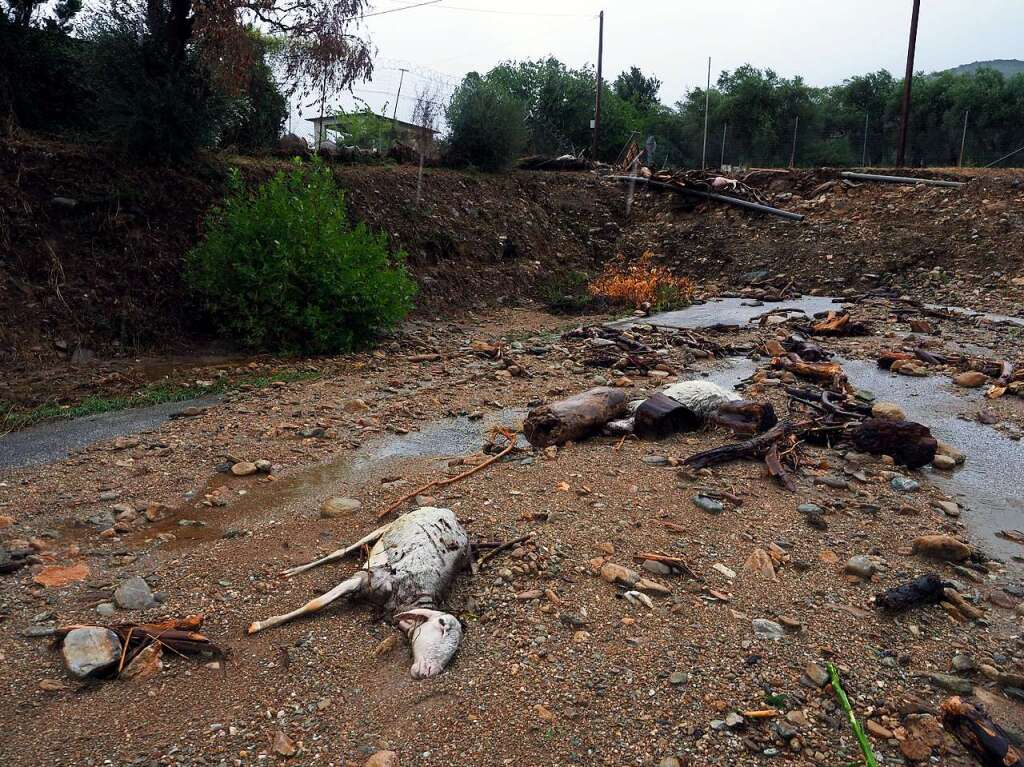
{"points": [[910, 444], [574, 418]]}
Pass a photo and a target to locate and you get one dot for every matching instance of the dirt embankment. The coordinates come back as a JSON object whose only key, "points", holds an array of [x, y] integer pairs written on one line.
{"points": [[91, 249]]}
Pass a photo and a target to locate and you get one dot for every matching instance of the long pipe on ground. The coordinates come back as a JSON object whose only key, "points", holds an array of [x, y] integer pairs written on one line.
{"points": [[900, 179], [735, 201]]}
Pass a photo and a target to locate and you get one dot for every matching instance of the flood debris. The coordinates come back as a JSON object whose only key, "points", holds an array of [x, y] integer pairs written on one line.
{"points": [[575, 418], [910, 444], [926, 590], [131, 650], [683, 186], [745, 416], [412, 565], [901, 180], [983, 739]]}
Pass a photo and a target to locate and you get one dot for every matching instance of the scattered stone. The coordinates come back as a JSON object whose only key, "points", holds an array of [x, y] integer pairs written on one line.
{"points": [[283, 745], [708, 504], [339, 506], [951, 683], [106, 609], [655, 460], [949, 508], [264, 466], [678, 678], [943, 462], [905, 484], [767, 629], [888, 411], [244, 468], [970, 379], [734, 720], [134, 594], [943, 547], [861, 566], [90, 649], [816, 674], [727, 572], [944, 448], [878, 730], [55, 577], [963, 664]]}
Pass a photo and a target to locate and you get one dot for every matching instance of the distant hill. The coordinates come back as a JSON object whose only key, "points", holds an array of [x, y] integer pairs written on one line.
{"points": [[1008, 67]]}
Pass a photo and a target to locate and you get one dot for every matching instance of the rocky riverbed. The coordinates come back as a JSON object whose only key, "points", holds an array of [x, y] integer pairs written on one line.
{"points": [[724, 663]]}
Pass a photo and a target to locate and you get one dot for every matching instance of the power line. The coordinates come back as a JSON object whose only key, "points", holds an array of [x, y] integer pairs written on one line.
{"points": [[517, 13], [395, 10]]}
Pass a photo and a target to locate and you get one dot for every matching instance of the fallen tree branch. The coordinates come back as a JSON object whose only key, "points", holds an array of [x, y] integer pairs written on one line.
{"points": [[735, 201], [510, 436], [755, 447], [501, 548]]}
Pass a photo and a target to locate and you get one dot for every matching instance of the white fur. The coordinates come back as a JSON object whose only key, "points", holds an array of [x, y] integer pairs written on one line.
{"points": [[434, 637], [699, 397]]}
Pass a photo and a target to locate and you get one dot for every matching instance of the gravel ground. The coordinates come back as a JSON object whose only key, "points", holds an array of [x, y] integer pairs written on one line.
{"points": [[556, 668]]}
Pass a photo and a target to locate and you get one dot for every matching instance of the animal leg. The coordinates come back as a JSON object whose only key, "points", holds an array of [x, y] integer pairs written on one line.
{"points": [[339, 554], [346, 588]]}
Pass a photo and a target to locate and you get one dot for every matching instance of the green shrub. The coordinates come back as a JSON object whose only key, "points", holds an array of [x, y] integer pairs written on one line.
{"points": [[281, 269], [488, 124], [567, 293]]}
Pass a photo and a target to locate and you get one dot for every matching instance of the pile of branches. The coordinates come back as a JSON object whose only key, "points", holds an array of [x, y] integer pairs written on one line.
{"points": [[1002, 372], [710, 181], [179, 636], [822, 411], [629, 352]]}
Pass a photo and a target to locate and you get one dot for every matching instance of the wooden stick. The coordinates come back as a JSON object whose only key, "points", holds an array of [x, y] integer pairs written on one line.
{"points": [[510, 436], [503, 547]]}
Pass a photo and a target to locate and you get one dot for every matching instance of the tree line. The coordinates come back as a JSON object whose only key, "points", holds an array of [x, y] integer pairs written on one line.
{"points": [[545, 107]]}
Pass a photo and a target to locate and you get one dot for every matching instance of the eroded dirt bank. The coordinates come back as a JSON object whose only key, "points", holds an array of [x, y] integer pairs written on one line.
{"points": [[556, 668]]}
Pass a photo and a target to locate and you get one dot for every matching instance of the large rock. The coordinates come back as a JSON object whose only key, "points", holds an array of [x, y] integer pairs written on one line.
{"points": [[888, 411], [90, 649], [134, 594], [943, 547], [970, 379], [339, 507]]}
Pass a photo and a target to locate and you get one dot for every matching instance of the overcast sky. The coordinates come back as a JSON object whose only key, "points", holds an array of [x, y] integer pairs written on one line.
{"points": [[825, 41]]}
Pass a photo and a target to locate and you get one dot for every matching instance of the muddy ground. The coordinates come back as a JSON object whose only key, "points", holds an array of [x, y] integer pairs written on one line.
{"points": [[555, 668]]}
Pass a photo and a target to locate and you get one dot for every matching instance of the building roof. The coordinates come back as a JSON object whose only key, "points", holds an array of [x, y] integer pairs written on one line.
{"points": [[340, 119]]}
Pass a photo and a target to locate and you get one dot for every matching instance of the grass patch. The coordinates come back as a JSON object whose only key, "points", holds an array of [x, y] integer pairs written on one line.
{"points": [[12, 418]]}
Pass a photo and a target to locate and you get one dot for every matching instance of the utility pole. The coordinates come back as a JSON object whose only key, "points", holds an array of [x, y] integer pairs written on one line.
{"points": [[908, 79], [864, 152], [394, 115], [963, 139], [725, 129], [707, 107], [597, 98], [792, 155]]}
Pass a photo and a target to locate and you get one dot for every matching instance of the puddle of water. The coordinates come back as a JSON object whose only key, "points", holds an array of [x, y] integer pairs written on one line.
{"points": [[986, 485], [731, 311], [49, 442], [302, 492], [986, 316]]}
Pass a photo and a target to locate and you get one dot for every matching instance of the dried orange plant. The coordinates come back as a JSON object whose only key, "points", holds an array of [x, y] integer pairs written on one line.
{"points": [[643, 282]]}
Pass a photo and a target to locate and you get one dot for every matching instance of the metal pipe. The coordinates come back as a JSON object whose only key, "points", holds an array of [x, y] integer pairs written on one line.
{"points": [[735, 201], [1005, 157], [900, 179]]}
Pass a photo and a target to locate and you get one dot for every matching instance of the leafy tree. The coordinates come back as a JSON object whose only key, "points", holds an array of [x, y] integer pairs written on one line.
{"points": [[634, 87], [487, 123]]}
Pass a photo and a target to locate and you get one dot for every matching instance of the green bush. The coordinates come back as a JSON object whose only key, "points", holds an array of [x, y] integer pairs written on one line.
{"points": [[567, 293], [488, 124], [281, 269]]}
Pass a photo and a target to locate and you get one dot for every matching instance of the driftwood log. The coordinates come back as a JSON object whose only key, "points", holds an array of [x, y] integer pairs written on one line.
{"points": [[745, 416], [910, 444], [574, 418], [756, 447], [982, 737]]}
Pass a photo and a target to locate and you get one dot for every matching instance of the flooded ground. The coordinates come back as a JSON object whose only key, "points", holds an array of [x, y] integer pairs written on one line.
{"points": [[986, 486], [733, 311], [55, 440]]}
